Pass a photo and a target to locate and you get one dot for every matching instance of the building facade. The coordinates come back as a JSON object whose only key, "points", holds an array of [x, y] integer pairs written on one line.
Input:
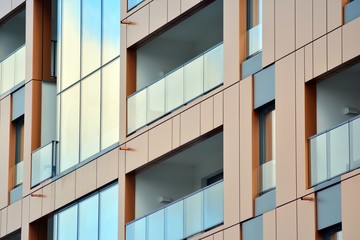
{"points": [[179, 119]]}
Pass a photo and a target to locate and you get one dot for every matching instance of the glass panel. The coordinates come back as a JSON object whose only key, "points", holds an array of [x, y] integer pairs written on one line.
{"points": [[137, 111], [67, 224], [19, 173], [254, 40], [213, 205], [254, 13], [70, 35], [41, 168], [136, 230], [69, 128], [269, 137], [193, 214], [110, 30], [8, 73], [268, 175], [174, 90], [110, 104], [336, 236], [213, 68], [156, 226], [339, 150], [193, 79], [156, 100], [108, 222], [88, 218], [174, 221], [318, 159], [133, 3], [90, 116], [91, 36], [20, 65], [355, 144]]}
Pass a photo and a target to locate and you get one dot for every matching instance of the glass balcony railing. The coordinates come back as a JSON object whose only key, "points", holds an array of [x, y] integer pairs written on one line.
{"points": [[177, 88], [12, 70], [254, 40], [268, 176], [43, 163], [188, 216], [19, 169], [335, 151]]}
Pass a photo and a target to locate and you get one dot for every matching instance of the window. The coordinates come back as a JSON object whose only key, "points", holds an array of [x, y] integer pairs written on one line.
{"points": [[133, 3], [19, 150], [254, 26], [267, 147]]}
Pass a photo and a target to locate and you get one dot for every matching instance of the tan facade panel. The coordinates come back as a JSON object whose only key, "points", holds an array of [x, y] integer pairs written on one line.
{"points": [[174, 9], [285, 130], [187, 4], [65, 190], [138, 27], [138, 152], [351, 39], [219, 236], [284, 27], [304, 22], [16, 3], [268, 35], [319, 18], [158, 14], [269, 225], [14, 217], [160, 140], [3, 222], [286, 222], [5, 121], [218, 110], [5, 7], [25, 218], [232, 233], [320, 56], [48, 199], [121, 183], [107, 167], [248, 171], [209, 238], [334, 14], [190, 124], [176, 131], [231, 156], [350, 198], [207, 115], [334, 49], [309, 72], [35, 205], [85, 179], [306, 218]]}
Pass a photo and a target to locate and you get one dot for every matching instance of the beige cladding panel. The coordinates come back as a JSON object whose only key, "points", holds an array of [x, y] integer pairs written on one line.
{"points": [[269, 225], [248, 176], [64, 190], [5, 7], [334, 49], [285, 130], [232, 233], [3, 222], [304, 22], [48, 199], [107, 168], [207, 115], [320, 56], [187, 4], [231, 156], [306, 218], [208, 238], [35, 205], [351, 39], [350, 207], [218, 109], [268, 35], [25, 218], [158, 14], [319, 18], [309, 73], [160, 140], [16, 3], [286, 222], [138, 152], [14, 217], [173, 9], [85, 178], [138, 27], [121, 184], [284, 27], [176, 131], [334, 14], [190, 124], [219, 236]]}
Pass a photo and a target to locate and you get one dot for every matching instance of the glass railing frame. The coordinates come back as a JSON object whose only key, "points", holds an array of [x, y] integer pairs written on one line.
{"points": [[326, 133], [163, 78], [54, 144], [182, 199]]}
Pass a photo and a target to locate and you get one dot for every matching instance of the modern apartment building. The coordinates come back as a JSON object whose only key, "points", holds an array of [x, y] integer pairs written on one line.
{"points": [[179, 119]]}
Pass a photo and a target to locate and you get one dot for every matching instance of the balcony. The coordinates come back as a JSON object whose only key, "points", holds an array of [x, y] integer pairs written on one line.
{"points": [[188, 216], [335, 151], [43, 163], [12, 70], [254, 40], [175, 89]]}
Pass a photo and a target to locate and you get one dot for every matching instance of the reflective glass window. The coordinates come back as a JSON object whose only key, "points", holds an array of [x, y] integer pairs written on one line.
{"points": [[108, 220], [67, 224], [110, 30], [88, 218]]}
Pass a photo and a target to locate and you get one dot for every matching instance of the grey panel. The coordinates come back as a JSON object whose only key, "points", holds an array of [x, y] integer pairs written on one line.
{"points": [[328, 207], [253, 229], [16, 194], [264, 86], [18, 102], [265, 202], [48, 112], [351, 11], [251, 66]]}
